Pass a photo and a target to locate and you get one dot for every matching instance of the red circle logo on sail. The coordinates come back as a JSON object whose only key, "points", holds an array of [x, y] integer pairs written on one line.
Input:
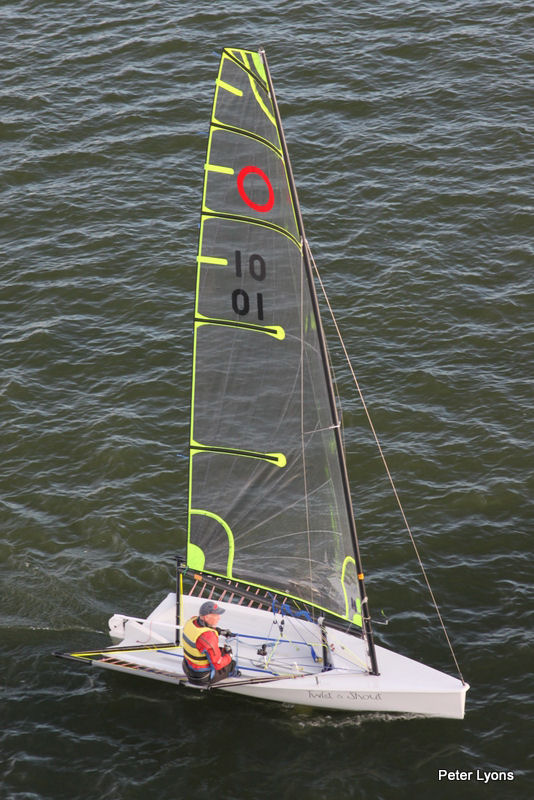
{"points": [[244, 196]]}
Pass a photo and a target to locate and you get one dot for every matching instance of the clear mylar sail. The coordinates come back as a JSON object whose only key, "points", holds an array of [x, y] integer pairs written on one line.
{"points": [[267, 500], [271, 528]]}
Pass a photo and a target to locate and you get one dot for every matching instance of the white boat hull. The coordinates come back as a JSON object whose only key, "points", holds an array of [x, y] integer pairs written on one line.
{"points": [[292, 672]]}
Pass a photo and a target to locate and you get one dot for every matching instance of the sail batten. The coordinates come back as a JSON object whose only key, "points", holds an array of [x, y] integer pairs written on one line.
{"points": [[249, 134], [207, 213], [267, 502]]}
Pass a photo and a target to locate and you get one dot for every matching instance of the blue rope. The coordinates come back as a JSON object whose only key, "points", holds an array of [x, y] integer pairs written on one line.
{"points": [[289, 611]]}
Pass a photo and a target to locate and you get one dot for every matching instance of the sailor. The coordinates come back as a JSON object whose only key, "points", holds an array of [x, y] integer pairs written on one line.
{"points": [[204, 661]]}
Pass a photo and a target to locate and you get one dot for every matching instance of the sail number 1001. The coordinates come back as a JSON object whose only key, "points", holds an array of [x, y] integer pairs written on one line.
{"points": [[242, 300]]}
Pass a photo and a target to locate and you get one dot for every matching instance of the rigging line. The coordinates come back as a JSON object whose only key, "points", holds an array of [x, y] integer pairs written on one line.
{"points": [[313, 431], [275, 647], [303, 448], [383, 457], [282, 639], [339, 404], [355, 660], [260, 638]]}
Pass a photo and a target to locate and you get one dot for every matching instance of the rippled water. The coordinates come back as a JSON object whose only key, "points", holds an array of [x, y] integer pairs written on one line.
{"points": [[410, 130]]}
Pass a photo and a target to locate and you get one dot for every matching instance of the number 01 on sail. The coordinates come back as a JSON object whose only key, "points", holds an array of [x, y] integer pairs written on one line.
{"points": [[270, 534]]}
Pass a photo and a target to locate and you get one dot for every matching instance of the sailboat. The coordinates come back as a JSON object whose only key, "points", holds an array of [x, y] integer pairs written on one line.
{"points": [[271, 536]]}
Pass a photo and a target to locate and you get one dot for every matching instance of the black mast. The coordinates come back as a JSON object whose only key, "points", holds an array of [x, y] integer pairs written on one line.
{"points": [[366, 618]]}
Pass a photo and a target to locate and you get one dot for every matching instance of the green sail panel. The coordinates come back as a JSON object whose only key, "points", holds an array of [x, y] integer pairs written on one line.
{"points": [[266, 501]]}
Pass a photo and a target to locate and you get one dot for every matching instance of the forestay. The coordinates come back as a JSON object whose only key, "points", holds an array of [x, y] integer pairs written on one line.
{"points": [[266, 499]]}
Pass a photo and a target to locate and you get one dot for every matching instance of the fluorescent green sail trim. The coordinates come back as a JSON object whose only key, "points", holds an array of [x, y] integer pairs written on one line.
{"points": [[258, 63], [235, 53], [276, 331], [254, 88], [255, 81], [248, 221], [196, 558], [241, 57], [218, 168], [278, 459], [229, 88], [216, 126], [223, 262], [356, 618], [221, 126], [231, 547], [208, 213]]}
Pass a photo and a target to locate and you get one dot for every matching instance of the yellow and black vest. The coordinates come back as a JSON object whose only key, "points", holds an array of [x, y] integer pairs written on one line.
{"points": [[190, 634]]}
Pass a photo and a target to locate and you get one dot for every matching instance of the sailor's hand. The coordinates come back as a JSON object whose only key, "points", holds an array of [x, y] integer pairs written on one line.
{"points": [[226, 649], [226, 633]]}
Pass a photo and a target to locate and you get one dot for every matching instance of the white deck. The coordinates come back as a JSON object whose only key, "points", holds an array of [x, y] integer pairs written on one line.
{"points": [[292, 670]]}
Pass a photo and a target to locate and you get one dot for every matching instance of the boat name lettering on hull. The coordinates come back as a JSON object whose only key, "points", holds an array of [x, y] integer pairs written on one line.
{"points": [[322, 695]]}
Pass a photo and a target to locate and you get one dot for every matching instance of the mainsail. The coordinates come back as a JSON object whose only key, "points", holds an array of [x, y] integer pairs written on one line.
{"points": [[268, 500]]}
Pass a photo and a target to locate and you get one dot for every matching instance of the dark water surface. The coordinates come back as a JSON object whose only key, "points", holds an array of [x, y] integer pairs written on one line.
{"points": [[410, 127]]}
